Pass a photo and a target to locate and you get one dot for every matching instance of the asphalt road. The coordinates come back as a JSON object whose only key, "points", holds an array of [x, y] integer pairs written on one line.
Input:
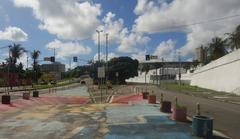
{"points": [[226, 115]]}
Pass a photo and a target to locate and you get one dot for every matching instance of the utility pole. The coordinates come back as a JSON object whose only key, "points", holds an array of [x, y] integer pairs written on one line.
{"points": [[9, 64], [99, 60], [106, 63], [179, 68], [98, 32]]}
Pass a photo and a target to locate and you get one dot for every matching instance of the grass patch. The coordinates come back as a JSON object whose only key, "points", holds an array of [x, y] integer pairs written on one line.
{"points": [[186, 87]]}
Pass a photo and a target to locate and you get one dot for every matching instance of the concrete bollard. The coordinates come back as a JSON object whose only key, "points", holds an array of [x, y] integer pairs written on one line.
{"points": [[198, 109]]}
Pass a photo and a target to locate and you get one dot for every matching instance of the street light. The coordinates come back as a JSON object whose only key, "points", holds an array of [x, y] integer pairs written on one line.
{"points": [[179, 68], [106, 62], [98, 32]]}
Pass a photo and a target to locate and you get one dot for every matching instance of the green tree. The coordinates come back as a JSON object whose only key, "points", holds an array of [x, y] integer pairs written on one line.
{"points": [[16, 52], [34, 55], [234, 39], [216, 48], [125, 66]]}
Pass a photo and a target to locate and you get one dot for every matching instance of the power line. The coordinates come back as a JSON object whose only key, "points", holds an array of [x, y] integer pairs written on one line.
{"points": [[201, 22]]}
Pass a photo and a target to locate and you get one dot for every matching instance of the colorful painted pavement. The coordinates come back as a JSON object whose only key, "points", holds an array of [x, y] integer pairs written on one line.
{"points": [[127, 117]]}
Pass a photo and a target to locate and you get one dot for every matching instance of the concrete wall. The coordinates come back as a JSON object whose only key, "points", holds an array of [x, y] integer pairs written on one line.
{"points": [[222, 74], [141, 75]]}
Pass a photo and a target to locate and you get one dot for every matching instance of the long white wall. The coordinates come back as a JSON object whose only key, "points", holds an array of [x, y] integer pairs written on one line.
{"points": [[222, 74]]}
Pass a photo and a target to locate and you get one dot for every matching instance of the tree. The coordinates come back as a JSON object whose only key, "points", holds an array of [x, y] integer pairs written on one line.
{"points": [[125, 66], [34, 55], [216, 48], [16, 52], [234, 39]]}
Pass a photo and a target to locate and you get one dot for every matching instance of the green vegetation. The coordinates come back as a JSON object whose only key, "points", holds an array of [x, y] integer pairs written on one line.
{"points": [[124, 66], [59, 83], [179, 106], [219, 47], [36, 69], [183, 87]]}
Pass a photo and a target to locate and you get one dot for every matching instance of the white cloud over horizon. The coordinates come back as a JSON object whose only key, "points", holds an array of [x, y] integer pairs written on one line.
{"points": [[72, 21], [166, 50], [127, 40], [67, 19], [13, 34], [68, 49], [160, 16]]}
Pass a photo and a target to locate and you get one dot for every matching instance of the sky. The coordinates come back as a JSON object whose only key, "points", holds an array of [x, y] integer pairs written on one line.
{"points": [[164, 28]]}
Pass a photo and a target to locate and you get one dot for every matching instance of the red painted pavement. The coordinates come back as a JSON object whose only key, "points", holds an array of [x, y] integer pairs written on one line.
{"points": [[126, 98], [44, 100]]}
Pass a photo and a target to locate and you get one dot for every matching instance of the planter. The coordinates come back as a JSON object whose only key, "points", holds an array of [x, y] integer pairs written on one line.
{"points": [[6, 99], [202, 126], [152, 99], [179, 114], [145, 95], [165, 106], [26, 95], [35, 94]]}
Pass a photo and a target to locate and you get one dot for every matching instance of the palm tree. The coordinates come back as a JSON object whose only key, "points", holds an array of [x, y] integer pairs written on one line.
{"points": [[34, 55], [217, 48], [234, 39], [16, 51]]}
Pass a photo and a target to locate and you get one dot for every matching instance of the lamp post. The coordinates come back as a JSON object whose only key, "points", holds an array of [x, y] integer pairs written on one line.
{"points": [[179, 68], [9, 64], [106, 62], [98, 32]]}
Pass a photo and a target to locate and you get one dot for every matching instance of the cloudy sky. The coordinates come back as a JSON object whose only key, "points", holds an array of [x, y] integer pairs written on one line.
{"points": [[135, 27]]}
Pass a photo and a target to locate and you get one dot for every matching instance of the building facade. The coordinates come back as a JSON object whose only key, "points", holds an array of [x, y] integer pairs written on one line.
{"points": [[55, 68]]}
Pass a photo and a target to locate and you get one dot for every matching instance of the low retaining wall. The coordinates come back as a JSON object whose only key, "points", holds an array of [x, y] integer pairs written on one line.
{"points": [[222, 74]]}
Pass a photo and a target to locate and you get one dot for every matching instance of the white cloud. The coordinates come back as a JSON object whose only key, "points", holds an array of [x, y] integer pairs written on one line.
{"points": [[23, 60], [103, 56], [130, 41], [13, 34], [127, 41], [140, 56], [112, 27], [66, 49], [68, 19], [166, 50], [159, 16]]}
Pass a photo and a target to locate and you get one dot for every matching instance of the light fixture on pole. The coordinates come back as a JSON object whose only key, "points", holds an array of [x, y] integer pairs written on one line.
{"points": [[106, 63], [98, 32]]}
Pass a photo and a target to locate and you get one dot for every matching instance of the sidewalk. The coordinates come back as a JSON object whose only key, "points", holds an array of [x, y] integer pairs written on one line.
{"points": [[127, 117]]}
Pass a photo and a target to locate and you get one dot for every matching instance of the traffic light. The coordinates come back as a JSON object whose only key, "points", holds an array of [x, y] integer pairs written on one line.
{"points": [[52, 59]]}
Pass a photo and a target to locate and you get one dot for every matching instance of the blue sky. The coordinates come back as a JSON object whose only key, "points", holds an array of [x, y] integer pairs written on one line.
{"points": [[135, 27]]}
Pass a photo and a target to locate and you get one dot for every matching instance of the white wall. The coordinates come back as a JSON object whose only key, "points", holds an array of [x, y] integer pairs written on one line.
{"points": [[141, 75], [222, 74]]}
